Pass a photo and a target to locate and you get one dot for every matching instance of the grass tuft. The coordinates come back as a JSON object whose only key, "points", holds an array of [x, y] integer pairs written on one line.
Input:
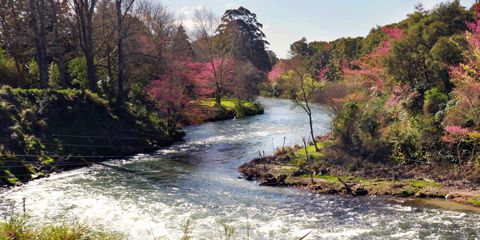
{"points": [[20, 228]]}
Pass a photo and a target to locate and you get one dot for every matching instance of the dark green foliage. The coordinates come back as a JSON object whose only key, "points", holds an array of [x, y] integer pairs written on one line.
{"points": [[7, 69], [301, 48], [343, 124], [250, 40], [347, 48], [358, 129], [430, 45], [38, 125], [435, 101], [372, 41]]}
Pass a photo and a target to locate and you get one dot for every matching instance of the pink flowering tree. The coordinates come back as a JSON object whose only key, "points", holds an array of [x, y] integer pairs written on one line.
{"points": [[211, 78], [466, 78], [368, 71], [171, 93]]}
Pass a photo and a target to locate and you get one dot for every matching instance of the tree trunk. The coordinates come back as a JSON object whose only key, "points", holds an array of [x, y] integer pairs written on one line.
{"points": [[92, 78], [90, 56], [59, 48], [218, 99], [308, 110], [121, 57], [20, 72], [84, 13], [310, 121], [38, 27]]}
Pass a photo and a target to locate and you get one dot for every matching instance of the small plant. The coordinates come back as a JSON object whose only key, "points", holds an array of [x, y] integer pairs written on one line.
{"points": [[186, 231]]}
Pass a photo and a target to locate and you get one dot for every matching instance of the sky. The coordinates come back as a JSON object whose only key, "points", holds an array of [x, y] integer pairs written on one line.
{"points": [[286, 21]]}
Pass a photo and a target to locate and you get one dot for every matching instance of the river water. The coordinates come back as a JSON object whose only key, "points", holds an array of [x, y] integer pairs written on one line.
{"points": [[153, 196]]}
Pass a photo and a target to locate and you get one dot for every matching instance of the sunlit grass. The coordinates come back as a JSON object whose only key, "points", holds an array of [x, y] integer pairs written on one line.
{"points": [[21, 228], [228, 103], [299, 155]]}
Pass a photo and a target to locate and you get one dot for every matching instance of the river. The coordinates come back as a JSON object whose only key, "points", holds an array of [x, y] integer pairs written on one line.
{"points": [[151, 196]]}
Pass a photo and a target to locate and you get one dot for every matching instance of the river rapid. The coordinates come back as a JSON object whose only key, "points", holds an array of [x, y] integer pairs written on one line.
{"points": [[152, 196]]}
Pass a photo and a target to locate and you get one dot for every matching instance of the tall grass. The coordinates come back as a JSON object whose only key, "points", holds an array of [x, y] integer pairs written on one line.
{"points": [[21, 228]]}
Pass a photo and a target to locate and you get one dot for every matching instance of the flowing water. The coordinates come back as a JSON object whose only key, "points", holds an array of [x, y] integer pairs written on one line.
{"points": [[152, 196]]}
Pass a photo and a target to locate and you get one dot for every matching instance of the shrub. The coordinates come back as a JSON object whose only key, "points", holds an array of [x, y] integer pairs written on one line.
{"points": [[434, 101], [403, 137], [54, 76]]}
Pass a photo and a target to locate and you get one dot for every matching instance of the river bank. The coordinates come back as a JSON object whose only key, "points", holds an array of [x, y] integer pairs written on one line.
{"points": [[323, 173], [206, 110], [153, 195], [47, 131]]}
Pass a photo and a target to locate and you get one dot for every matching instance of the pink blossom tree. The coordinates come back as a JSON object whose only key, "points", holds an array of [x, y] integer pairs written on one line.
{"points": [[217, 50], [466, 78], [172, 93]]}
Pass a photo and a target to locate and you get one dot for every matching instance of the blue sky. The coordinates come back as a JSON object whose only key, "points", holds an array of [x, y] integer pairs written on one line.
{"points": [[286, 21]]}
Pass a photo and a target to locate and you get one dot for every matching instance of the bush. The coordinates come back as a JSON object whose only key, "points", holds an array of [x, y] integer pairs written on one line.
{"points": [[403, 137], [54, 76], [434, 101]]}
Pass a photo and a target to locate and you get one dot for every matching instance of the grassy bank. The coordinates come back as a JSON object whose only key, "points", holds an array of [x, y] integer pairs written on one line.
{"points": [[206, 110], [51, 130], [20, 228], [332, 171]]}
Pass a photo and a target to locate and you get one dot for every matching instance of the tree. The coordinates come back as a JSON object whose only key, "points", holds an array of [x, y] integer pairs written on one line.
{"points": [[84, 10], [418, 59], [245, 80], [182, 48], [157, 36], [123, 8], [272, 58], [171, 94], [59, 14], [105, 43], [466, 79], [305, 87], [217, 50], [245, 30], [14, 37], [37, 23], [301, 48]]}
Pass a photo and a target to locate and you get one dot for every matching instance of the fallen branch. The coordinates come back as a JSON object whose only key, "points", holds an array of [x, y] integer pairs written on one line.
{"points": [[347, 187]]}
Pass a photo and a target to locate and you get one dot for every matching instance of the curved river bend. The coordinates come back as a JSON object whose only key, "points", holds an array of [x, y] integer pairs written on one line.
{"points": [[152, 196]]}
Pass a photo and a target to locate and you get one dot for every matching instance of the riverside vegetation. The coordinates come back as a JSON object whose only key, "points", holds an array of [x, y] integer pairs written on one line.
{"points": [[86, 81], [405, 100], [74, 93]]}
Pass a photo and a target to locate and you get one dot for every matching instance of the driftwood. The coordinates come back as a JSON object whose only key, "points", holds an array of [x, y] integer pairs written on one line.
{"points": [[347, 187]]}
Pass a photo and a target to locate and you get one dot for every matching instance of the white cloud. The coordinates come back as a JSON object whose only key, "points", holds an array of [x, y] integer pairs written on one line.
{"points": [[188, 24], [188, 10]]}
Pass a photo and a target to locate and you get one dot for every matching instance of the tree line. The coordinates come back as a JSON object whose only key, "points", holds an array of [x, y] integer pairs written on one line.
{"points": [[406, 93], [131, 50]]}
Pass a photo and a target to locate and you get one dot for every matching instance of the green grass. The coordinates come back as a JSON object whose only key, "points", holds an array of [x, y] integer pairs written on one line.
{"points": [[298, 155], [228, 103], [422, 183], [20, 228], [474, 201]]}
